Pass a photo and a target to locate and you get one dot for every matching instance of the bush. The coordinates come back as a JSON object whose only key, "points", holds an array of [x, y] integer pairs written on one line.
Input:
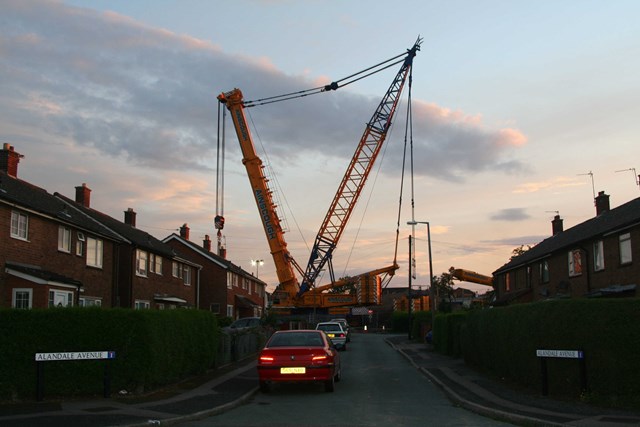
{"points": [[152, 348]]}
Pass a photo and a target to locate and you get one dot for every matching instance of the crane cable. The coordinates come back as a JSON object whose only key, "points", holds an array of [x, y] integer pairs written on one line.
{"points": [[332, 86]]}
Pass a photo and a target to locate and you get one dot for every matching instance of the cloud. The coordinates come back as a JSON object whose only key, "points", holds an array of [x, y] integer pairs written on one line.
{"points": [[510, 214], [148, 95]]}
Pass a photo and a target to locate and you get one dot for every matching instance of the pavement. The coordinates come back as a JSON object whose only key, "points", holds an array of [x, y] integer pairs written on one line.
{"points": [[232, 386]]}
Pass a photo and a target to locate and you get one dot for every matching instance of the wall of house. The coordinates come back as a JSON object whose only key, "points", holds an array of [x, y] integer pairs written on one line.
{"points": [[41, 250], [561, 284]]}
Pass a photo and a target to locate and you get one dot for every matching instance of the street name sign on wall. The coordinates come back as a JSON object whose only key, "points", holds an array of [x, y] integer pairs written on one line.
{"points": [[75, 355], [566, 354]]}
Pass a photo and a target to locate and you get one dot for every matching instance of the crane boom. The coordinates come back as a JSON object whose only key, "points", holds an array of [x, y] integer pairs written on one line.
{"points": [[356, 176], [262, 193]]}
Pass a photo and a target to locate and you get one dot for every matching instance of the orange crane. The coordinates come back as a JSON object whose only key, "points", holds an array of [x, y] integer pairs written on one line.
{"points": [[289, 293], [471, 276]]}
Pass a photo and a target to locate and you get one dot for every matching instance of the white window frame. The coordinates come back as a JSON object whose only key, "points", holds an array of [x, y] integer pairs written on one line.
{"points": [[155, 264], [186, 274], [624, 241], [64, 239], [14, 297], [575, 262], [598, 255], [80, 244], [142, 263], [230, 310], [67, 295], [142, 304], [89, 302], [19, 225], [176, 270], [95, 249]]}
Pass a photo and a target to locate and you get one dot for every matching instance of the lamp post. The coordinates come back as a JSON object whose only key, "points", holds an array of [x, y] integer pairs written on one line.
{"points": [[257, 263], [432, 296]]}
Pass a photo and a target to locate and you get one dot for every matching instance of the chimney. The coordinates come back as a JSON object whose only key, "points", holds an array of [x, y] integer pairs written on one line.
{"points": [[184, 231], [556, 225], [130, 217], [602, 203], [206, 243], [9, 160], [83, 195]]}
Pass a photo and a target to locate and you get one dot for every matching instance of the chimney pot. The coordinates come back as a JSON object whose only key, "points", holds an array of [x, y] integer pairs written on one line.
{"points": [[556, 225], [9, 160], [184, 231], [83, 195], [602, 203], [130, 217], [206, 243]]}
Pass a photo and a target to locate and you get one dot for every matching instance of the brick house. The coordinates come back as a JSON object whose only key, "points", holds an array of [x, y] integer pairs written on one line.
{"points": [[50, 254], [57, 251], [599, 257], [225, 288]]}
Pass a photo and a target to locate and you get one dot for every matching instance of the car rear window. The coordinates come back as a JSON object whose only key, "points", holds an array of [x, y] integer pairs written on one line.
{"points": [[293, 339], [329, 327]]}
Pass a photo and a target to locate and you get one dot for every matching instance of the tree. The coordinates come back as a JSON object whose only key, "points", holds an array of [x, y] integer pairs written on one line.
{"points": [[444, 291], [519, 251]]}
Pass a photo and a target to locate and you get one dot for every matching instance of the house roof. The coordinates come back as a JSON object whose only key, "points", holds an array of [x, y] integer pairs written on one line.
{"points": [[37, 275], [133, 235], [26, 196], [216, 259], [614, 220]]}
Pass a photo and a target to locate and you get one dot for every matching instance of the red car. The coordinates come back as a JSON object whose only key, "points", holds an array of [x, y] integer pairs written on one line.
{"points": [[299, 356]]}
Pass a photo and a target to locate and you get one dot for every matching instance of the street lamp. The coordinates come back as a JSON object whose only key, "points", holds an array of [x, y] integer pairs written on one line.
{"points": [[432, 298], [257, 263]]}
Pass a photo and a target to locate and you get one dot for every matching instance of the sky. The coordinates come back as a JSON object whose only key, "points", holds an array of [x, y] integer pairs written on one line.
{"points": [[520, 111]]}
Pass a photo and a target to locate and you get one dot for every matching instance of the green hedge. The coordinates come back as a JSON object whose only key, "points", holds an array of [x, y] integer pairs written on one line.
{"points": [[153, 348], [503, 342]]}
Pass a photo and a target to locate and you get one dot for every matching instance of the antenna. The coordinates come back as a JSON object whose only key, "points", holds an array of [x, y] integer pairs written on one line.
{"points": [[593, 186], [636, 177], [556, 212]]}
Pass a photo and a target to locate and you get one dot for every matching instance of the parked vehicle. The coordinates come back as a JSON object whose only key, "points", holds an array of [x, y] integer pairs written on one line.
{"points": [[299, 356], [246, 322], [335, 332], [345, 326]]}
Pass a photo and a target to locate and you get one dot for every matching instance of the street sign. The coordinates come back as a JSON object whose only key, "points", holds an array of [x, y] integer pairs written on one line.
{"points": [[75, 355]]}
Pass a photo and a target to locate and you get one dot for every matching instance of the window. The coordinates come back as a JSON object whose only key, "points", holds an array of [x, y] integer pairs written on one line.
{"points": [[141, 263], [19, 225], [229, 310], [215, 308], [64, 239], [90, 302], [60, 298], [155, 264], [625, 248], [507, 282], [187, 275], [80, 244], [94, 252], [598, 256], [22, 298], [176, 269], [140, 304], [575, 263], [544, 271]]}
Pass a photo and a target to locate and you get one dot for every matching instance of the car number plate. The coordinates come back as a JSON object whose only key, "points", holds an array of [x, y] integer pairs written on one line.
{"points": [[292, 370]]}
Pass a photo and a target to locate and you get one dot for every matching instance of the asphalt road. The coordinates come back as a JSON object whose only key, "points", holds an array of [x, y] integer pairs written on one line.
{"points": [[379, 387]]}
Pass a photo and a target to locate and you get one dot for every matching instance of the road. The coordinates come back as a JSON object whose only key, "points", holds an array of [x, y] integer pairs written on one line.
{"points": [[379, 387]]}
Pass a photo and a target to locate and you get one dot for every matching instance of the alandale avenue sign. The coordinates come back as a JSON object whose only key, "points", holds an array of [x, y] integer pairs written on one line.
{"points": [[76, 355]]}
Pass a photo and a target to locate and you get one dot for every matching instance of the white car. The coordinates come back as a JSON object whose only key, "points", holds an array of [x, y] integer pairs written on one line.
{"points": [[345, 326], [335, 332]]}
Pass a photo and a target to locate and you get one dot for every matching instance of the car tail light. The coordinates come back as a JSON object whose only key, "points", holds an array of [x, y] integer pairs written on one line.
{"points": [[320, 357], [341, 335], [266, 359]]}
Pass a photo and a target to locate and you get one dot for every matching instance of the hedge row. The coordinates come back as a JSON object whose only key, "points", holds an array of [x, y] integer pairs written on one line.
{"points": [[153, 348], [503, 342]]}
